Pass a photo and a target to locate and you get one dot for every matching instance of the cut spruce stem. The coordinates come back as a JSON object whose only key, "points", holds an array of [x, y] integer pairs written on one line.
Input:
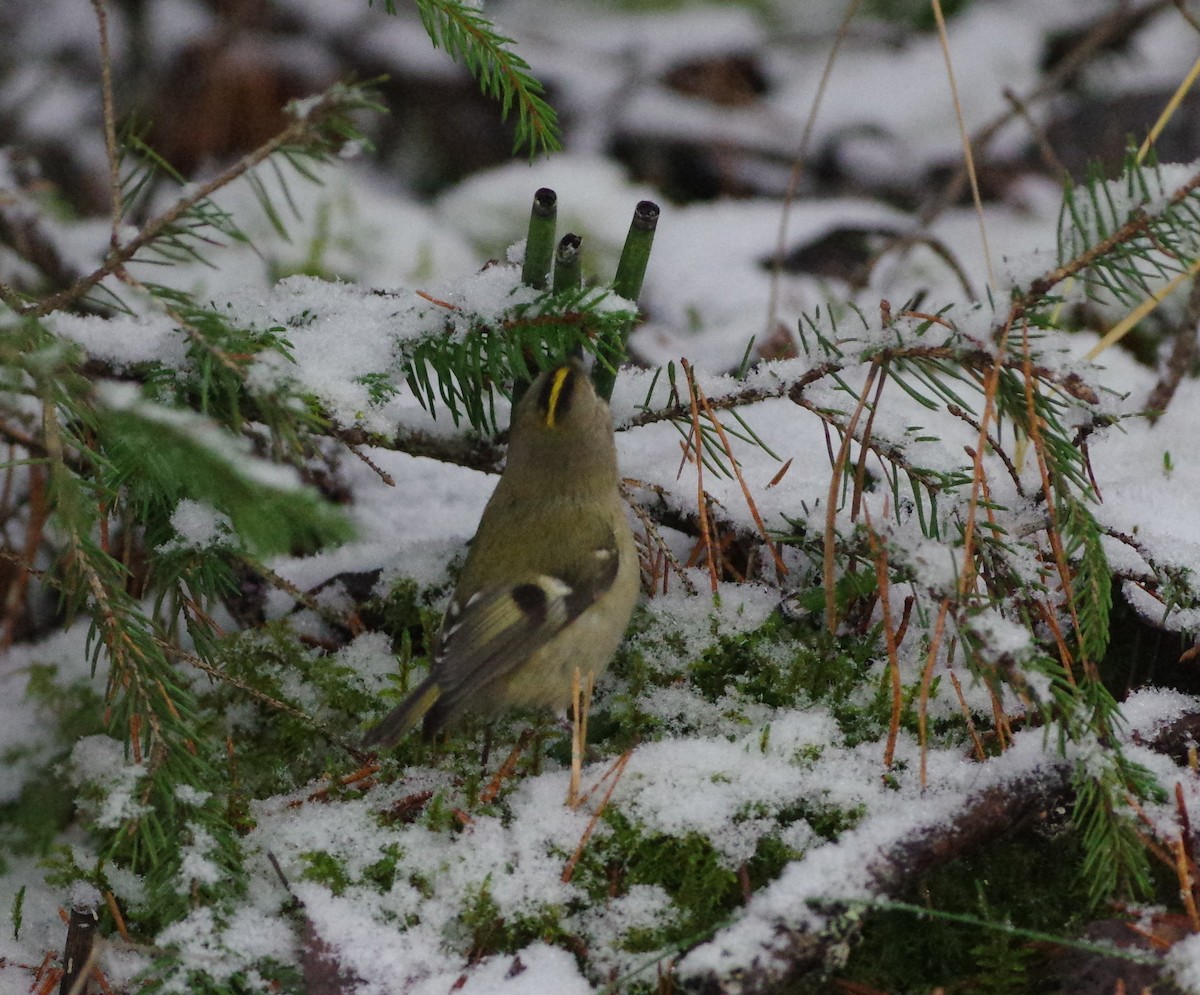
{"points": [[631, 271], [568, 268], [539, 252], [539, 246]]}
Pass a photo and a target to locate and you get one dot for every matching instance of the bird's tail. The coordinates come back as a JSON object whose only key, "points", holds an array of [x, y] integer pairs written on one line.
{"points": [[401, 719]]}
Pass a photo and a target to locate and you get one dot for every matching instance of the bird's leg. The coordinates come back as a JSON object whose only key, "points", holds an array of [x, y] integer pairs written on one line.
{"points": [[581, 701]]}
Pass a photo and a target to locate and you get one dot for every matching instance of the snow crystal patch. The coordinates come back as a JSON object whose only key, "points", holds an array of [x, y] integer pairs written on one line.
{"points": [[196, 865], [198, 526], [1149, 710], [1183, 964], [99, 763]]}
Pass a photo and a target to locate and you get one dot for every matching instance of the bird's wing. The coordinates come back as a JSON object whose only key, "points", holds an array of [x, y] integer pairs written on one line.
{"points": [[499, 628]]}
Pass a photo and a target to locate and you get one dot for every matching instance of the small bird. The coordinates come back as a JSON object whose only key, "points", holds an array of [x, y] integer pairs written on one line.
{"points": [[552, 574]]}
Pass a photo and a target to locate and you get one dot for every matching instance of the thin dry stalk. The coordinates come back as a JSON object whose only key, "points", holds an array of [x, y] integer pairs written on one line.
{"points": [[879, 555], [798, 163], [1151, 303], [1053, 533], [935, 644], [506, 769], [780, 569], [1168, 112], [110, 127], [1177, 852], [1050, 618], [1187, 882], [1150, 839], [835, 479], [1111, 26], [1041, 139], [966, 710], [968, 155], [1003, 728], [694, 449], [615, 772], [991, 383], [860, 471], [1185, 859]]}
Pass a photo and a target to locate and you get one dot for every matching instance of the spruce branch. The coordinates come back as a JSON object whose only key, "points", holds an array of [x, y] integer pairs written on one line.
{"points": [[1142, 224], [320, 126], [468, 36]]}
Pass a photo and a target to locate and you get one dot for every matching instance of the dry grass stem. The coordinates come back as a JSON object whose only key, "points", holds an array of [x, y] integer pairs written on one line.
{"points": [[1150, 304], [780, 569], [860, 470], [614, 772], [879, 554], [835, 485], [980, 755], [1053, 533], [1168, 112], [694, 448], [506, 769], [798, 163], [968, 155], [116, 210]]}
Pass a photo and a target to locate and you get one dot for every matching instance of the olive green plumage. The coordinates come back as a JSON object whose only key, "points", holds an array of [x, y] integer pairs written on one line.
{"points": [[551, 576]]}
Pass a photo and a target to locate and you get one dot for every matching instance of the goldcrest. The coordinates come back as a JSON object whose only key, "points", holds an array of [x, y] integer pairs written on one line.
{"points": [[551, 576]]}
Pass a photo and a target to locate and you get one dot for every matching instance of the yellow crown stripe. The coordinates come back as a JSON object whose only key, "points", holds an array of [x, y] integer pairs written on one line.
{"points": [[556, 386]]}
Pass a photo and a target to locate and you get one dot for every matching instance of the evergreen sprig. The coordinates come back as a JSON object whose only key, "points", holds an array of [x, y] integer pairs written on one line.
{"points": [[1148, 230], [1029, 574], [458, 368], [467, 35]]}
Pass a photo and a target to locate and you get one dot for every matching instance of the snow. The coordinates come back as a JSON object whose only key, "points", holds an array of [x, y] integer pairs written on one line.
{"points": [[99, 763], [728, 767]]}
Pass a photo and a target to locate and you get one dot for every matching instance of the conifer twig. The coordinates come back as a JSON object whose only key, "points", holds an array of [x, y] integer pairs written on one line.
{"points": [[303, 130]]}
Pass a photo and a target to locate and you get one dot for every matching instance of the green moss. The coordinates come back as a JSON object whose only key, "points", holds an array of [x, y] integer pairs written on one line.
{"points": [[324, 868], [688, 868], [489, 932], [382, 873]]}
